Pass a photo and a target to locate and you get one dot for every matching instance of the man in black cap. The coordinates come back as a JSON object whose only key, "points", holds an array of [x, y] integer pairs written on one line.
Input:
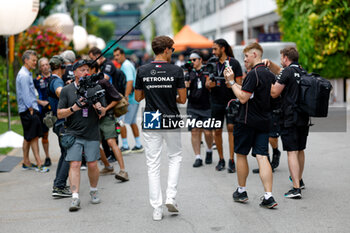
{"points": [[55, 85], [82, 123]]}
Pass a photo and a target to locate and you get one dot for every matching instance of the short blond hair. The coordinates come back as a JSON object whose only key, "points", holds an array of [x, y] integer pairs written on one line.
{"points": [[252, 46]]}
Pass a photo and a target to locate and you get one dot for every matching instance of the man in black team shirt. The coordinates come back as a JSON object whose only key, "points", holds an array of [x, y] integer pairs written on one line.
{"points": [[162, 85], [198, 107], [252, 129], [295, 127], [220, 96]]}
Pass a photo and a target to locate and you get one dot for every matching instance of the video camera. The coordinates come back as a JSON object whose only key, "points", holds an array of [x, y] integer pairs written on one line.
{"points": [[211, 70], [88, 82], [188, 67]]}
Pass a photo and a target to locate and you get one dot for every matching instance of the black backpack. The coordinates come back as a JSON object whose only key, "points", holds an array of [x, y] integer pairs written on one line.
{"points": [[314, 94], [119, 81]]}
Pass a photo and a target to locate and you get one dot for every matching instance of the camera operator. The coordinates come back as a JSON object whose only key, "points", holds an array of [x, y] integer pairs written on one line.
{"points": [[55, 85], [252, 129], [220, 96], [82, 123], [198, 106], [69, 58], [295, 126]]}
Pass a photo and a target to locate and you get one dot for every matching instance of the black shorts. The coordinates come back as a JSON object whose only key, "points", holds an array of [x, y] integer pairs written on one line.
{"points": [[199, 115], [275, 126], [246, 137], [31, 125], [294, 138], [219, 113]]}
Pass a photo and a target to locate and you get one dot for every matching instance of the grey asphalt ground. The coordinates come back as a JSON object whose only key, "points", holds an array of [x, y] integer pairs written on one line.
{"points": [[204, 196]]}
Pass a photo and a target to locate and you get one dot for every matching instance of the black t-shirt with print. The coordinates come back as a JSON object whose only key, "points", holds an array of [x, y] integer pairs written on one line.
{"points": [[290, 93], [221, 94], [84, 122], [199, 95], [256, 112], [160, 80]]}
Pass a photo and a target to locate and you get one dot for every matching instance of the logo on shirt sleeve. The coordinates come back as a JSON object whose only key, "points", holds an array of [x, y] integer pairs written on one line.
{"points": [[108, 68], [151, 120], [153, 72]]}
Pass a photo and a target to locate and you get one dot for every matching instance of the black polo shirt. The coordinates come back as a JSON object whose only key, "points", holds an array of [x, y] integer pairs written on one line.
{"points": [[290, 93], [221, 94], [256, 112]]}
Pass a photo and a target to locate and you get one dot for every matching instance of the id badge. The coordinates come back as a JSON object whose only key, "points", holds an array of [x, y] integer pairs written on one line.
{"points": [[218, 83], [42, 84], [85, 112], [199, 84]]}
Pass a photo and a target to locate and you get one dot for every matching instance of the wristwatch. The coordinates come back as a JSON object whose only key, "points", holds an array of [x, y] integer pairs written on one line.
{"points": [[232, 82], [71, 109]]}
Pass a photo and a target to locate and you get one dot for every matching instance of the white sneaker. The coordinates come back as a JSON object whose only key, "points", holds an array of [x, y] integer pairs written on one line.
{"points": [[158, 214], [171, 205]]}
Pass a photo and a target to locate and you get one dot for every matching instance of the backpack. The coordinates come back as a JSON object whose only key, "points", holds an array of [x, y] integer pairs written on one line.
{"points": [[119, 81], [314, 92]]}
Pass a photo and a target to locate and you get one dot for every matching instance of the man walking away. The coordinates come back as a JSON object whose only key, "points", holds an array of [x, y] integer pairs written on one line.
{"points": [[162, 85]]}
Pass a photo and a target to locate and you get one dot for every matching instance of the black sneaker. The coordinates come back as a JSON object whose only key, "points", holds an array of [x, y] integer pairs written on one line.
{"points": [[240, 197], [256, 170], [301, 183], [294, 193], [209, 157], [137, 149], [61, 192], [198, 163], [269, 203], [231, 166], [47, 162], [221, 165], [276, 159]]}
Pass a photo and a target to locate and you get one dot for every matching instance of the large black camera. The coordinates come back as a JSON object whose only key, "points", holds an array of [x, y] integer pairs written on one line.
{"points": [[211, 69], [188, 67], [88, 82], [232, 108]]}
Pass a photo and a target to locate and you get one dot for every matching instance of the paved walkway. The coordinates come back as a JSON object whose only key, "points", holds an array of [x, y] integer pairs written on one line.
{"points": [[204, 197]]}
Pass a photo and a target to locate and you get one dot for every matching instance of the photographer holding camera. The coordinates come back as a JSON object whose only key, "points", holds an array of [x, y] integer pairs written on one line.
{"points": [[69, 58], [252, 129], [220, 96], [198, 106], [82, 120]]}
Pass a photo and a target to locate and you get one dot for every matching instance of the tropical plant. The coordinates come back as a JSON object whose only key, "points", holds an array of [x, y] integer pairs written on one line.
{"points": [[321, 31], [41, 39], [178, 14]]}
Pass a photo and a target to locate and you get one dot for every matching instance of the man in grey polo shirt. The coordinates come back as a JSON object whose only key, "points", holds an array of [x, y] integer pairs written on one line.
{"points": [[82, 123]]}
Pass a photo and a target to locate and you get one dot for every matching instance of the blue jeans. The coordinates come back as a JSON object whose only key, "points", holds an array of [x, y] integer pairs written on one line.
{"points": [[63, 166]]}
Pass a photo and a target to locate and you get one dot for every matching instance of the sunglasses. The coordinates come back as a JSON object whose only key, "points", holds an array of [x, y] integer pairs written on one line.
{"points": [[193, 60], [172, 49]]}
